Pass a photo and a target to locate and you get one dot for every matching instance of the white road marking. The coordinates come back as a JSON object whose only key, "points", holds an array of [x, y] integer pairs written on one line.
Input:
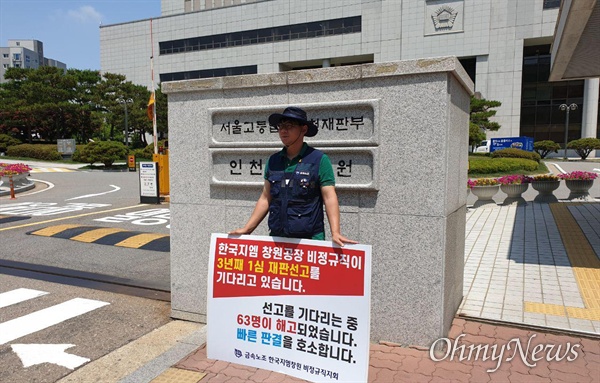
{"points": [[50, 186], [39, 320], [115, 188], [32, 354], [19, 295], [558, 167]]}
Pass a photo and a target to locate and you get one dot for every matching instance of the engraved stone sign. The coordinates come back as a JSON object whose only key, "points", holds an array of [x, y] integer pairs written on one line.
{"points": [[341, 121], [353, 167]]}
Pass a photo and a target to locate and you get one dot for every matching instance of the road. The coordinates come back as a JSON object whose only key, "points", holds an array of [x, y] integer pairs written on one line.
{"points": [[84, 270]]}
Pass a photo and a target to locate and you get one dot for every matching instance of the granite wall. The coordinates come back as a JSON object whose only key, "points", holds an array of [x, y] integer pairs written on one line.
{"points": [[397, 134]]}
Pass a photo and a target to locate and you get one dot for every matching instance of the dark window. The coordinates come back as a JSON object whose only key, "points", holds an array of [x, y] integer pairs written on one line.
{"points": [[217, 72], [548, 4], [470, 65], [264, 35], [541, 117]]}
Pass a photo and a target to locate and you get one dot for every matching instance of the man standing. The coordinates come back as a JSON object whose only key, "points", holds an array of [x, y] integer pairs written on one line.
{"points": [[298, 180]]}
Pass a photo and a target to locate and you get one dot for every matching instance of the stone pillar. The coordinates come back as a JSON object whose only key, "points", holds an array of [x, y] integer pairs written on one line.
{"points": [[589, 120], [397, 135]]}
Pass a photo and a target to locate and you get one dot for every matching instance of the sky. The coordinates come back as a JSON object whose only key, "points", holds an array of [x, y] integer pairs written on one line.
{"points": [[69, 29]]}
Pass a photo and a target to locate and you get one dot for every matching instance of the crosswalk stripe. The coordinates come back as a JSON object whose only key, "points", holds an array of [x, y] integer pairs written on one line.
{"points": [[94, 235], [19, 295], [140, 240], [39, 320], [51, 170]]}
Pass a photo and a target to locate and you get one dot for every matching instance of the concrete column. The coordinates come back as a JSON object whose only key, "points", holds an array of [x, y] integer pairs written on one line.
{"points": [[589, 121]]}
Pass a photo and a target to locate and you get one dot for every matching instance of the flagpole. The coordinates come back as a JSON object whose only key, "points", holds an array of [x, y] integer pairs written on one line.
{"points": [[154, 135]]}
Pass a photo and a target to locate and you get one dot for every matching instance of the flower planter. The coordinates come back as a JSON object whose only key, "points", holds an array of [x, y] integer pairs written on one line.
{"points": [[18, 180], [545, 190], [485, 194], [513, 193], [579, 189]]}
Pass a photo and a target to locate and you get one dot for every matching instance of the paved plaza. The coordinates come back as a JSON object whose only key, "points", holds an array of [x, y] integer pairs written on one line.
{"points": [[535, 264]]}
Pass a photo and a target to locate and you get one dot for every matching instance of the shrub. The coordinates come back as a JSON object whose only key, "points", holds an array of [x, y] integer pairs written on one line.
{"points": [[516, 153], [40, 152], [141, 154], [6, 141], [106, 152], [501, 165], [149, 150], [543, 148], [584, 146]]}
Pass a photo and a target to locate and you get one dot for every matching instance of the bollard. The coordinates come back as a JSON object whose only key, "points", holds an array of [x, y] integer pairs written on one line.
{"points": [[12, 187]]}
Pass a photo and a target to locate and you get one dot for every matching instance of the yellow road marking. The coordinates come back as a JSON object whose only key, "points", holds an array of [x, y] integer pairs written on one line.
{"points": [[140, 240], [95, 234], [585, 266], [50, 231], [73, 216]]}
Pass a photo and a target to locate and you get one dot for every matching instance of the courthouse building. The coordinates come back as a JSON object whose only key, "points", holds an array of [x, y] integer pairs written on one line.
{"points": [[504, 45]]}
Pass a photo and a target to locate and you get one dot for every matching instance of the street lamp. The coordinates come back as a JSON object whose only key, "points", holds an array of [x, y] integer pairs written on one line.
{"points": [[567, 108], [125, 102]]}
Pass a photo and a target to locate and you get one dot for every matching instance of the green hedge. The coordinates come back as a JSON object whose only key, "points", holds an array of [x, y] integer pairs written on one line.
{"points": [[501, 165], [516, 153], [48, 152], [7, 141]]}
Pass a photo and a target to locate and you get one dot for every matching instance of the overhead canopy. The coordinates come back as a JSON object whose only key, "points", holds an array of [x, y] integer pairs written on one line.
{"points": [[576, 46]]}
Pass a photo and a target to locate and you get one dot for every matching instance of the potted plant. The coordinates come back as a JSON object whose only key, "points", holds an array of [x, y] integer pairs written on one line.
{"points": [[545, 184], [514, 185], [579, 184], [17, 172], [484, 189]]}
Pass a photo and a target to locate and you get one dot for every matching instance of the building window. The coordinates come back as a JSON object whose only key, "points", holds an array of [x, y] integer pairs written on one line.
{"points": [[17, 56], [541, 117], [17, 65], [5, 55], [265, 35], [206, 73], [5, 66], [549, 4]]}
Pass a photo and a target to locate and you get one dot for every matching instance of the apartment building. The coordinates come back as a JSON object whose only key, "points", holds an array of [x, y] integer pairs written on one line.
{"points": [[25, 54]]}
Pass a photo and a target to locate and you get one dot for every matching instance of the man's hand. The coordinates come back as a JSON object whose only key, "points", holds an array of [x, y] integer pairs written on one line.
{"points": [[240, 231], [341, 240]]}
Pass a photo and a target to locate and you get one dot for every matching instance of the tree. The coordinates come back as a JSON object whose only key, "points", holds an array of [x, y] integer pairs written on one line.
{"points": [[480, 112], [106, 152], [584, 146], [545, 147], [48, 100], [476, 135], [70, 104]]}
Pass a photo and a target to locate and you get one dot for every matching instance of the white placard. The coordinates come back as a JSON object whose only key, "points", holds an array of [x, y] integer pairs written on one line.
{"points": [[298, 307], [148, 179]]}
